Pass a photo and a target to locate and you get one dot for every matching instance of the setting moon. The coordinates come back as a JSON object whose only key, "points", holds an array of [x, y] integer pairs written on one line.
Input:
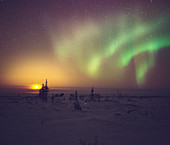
{"points": [[36, 86]]}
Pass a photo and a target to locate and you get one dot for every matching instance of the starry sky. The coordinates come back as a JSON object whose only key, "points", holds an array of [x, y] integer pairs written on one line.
{"points": [[102, 43]]}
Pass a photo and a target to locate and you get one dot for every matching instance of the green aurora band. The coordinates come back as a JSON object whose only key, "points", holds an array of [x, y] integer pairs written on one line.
{"points": [[90, 44]]}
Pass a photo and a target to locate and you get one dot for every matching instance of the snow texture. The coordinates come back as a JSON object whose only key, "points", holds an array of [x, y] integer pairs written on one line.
{"points": [[112, 121]]}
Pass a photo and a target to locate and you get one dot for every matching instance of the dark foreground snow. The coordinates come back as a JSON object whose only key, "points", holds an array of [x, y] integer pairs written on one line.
{"points": [[120, 121]]}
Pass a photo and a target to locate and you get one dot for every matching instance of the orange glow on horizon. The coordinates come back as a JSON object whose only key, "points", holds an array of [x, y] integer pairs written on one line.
{"points": [[19, 74]]}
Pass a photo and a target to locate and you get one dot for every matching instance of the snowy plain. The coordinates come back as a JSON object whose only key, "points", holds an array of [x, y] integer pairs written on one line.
{"points": [[125, 120]]}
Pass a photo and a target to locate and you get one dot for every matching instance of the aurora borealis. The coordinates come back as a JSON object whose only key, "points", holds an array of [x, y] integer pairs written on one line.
{"points": [[107, 43], [127, 43]]}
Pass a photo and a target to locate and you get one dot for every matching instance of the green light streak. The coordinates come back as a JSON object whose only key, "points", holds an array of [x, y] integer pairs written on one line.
{"points": [[94, 65], [141, 71], [151, 46], [142, 67], [120, 43], [115, 45], [126, 37]]}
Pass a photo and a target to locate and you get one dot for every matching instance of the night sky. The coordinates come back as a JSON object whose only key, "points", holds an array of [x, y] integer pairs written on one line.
{"points": [[102, 43]]}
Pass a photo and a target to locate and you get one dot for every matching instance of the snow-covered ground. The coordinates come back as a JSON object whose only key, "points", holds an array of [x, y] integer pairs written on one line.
{"points": [[119, 121]]}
